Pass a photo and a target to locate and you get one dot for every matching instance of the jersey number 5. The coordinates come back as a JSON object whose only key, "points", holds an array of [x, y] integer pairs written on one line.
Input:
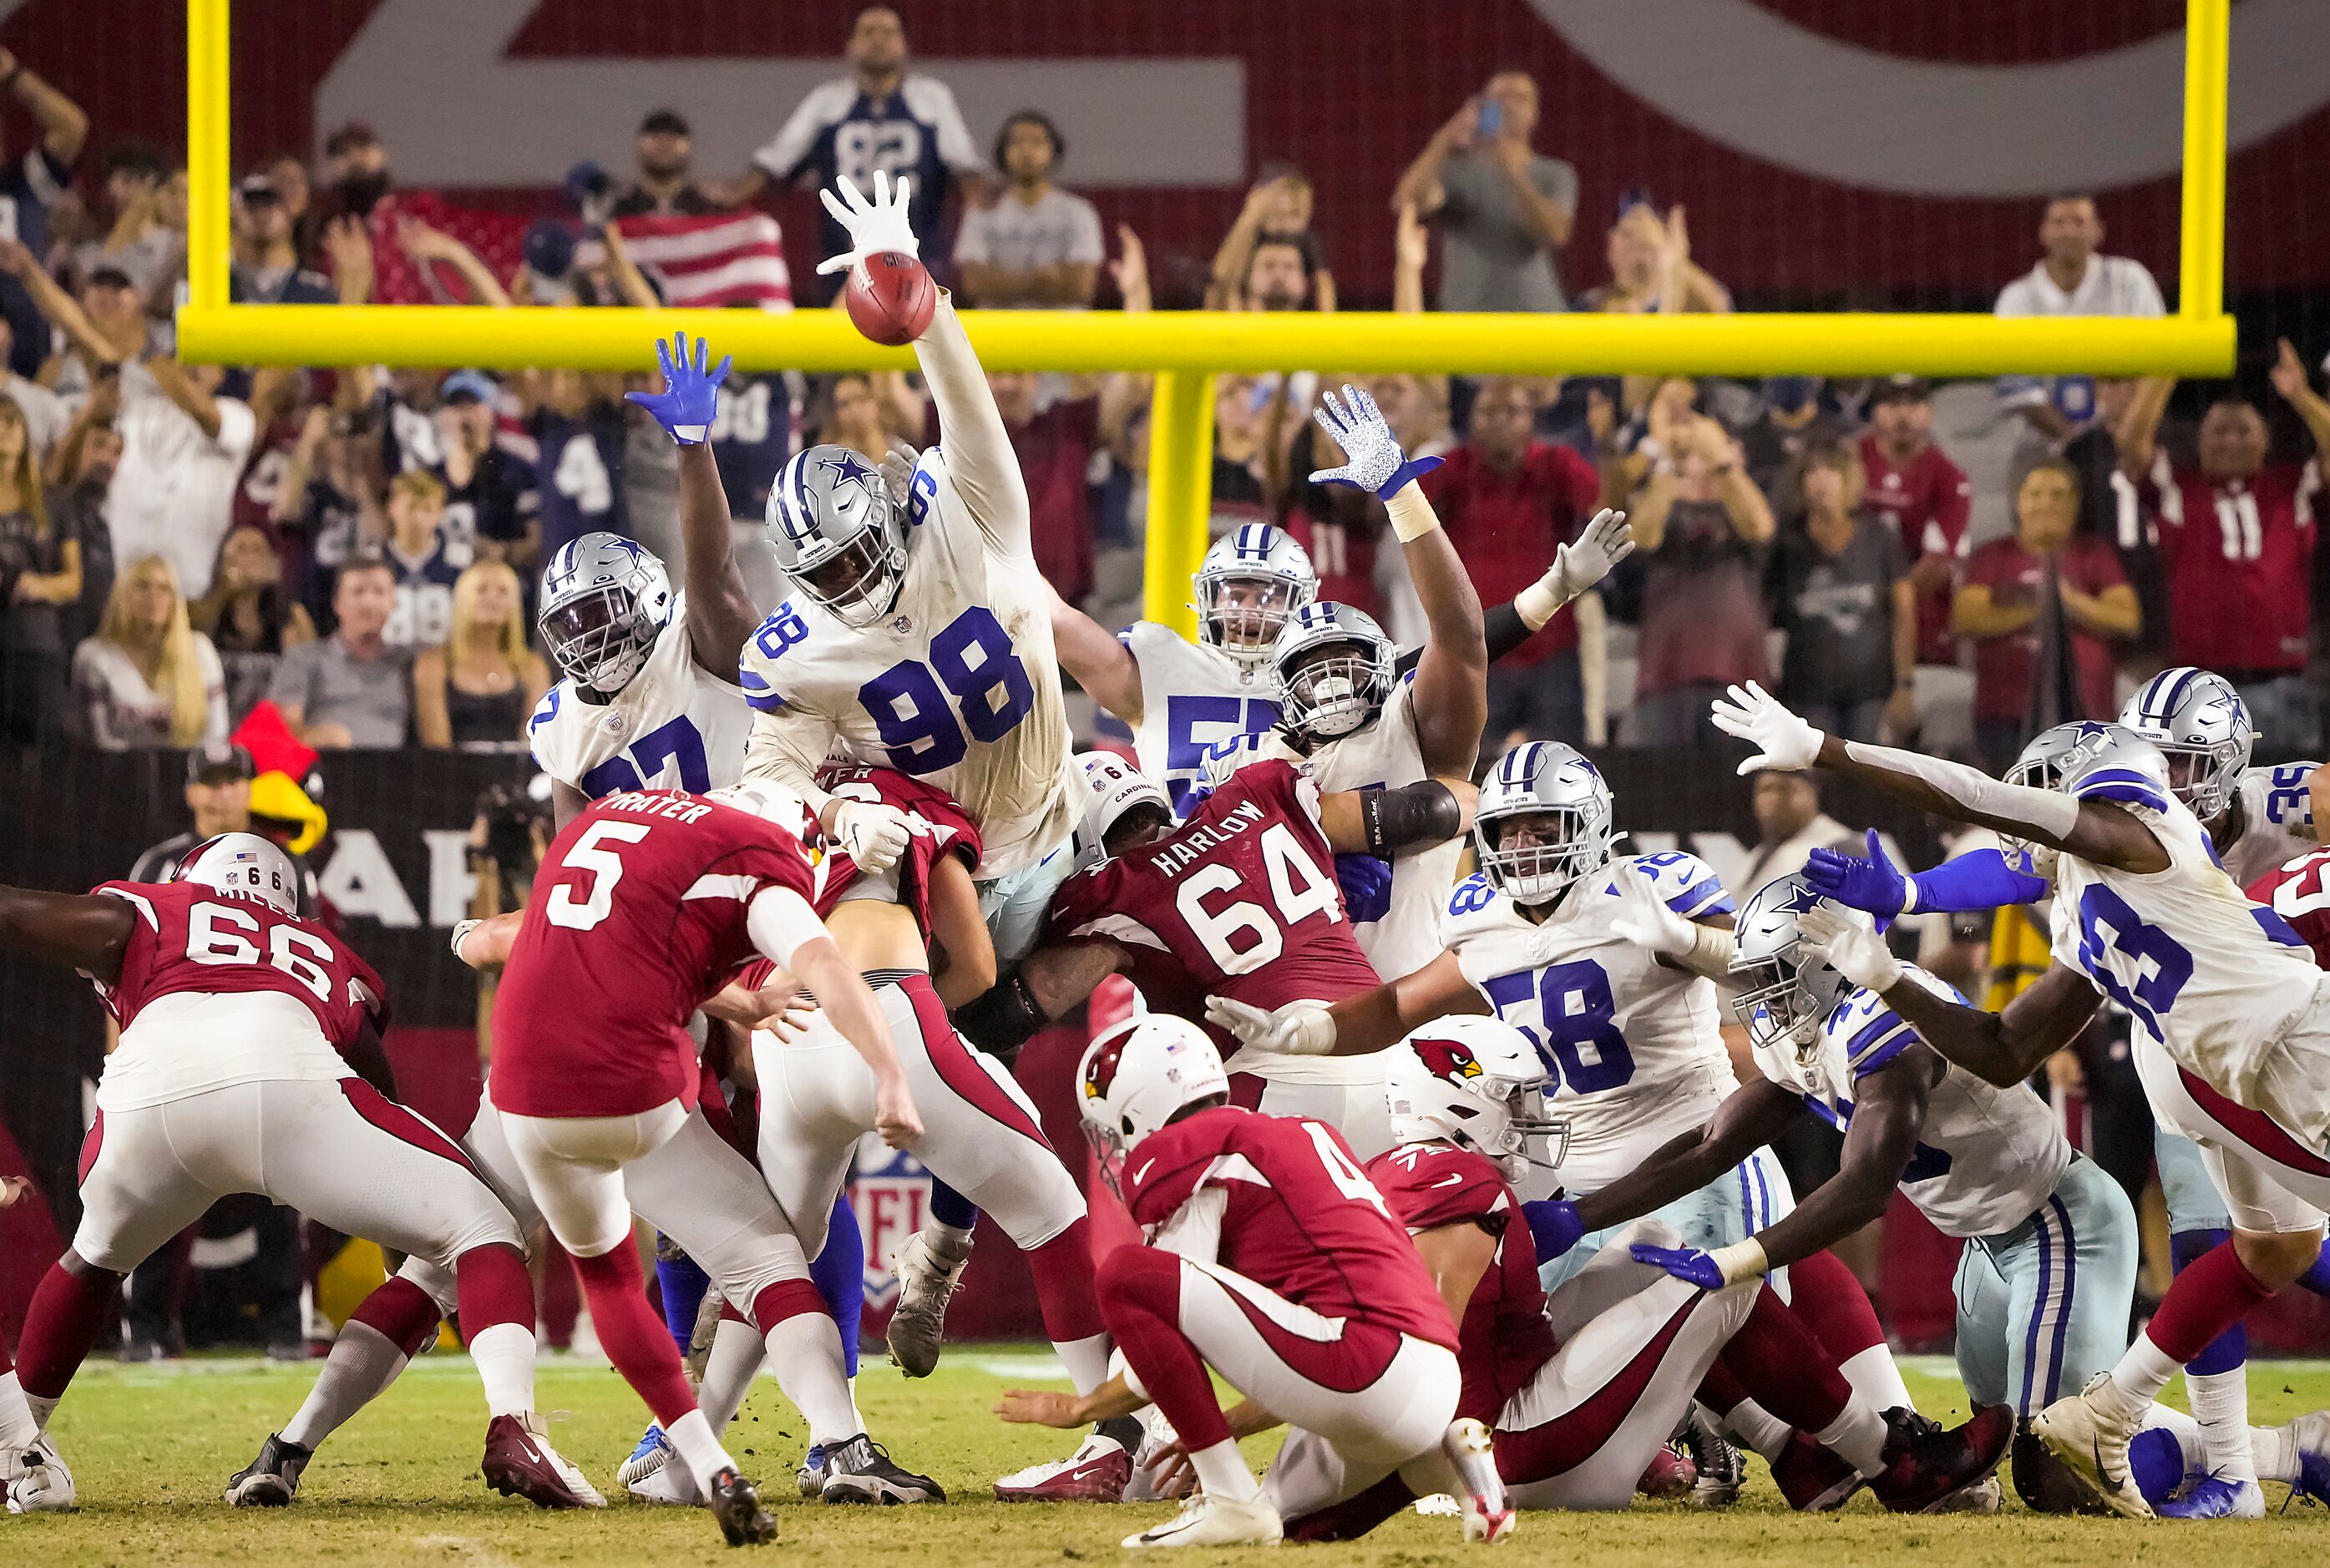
{"points": [[605, 869], [973, 659]]}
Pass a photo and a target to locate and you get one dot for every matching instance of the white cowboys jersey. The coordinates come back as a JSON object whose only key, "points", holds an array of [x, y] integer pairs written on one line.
{"points": [[2218, 980], [960, 686], [2276, 820], [1634, 1048], [1987, 1157], [675, 726], [1193, 698]]}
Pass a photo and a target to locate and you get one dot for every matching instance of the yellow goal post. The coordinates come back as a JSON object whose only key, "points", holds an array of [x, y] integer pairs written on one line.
{"points": [[1187, 349]]}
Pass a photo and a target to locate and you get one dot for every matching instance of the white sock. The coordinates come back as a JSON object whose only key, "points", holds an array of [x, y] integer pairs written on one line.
{"points": [[2221, 1403], [1086, 1360], [698, 1450], [1857, 1437], [1759, 1428], [1876, 1379], [362, 1363], [2274, 1450], [16, 1426], [857, 1416], [950, 1241], [728, 1372], [504, 1357], [805, 1349], [41, 1408], [2136, 1382], [1222, 1472]]}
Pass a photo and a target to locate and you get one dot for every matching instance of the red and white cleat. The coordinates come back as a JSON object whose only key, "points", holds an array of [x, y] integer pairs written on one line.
{"points": [[1097, 1472], [520, 1463], [1488, 1512]]}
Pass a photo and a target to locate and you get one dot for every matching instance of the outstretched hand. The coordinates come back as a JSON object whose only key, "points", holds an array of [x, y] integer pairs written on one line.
{"points": [[1372, 457], [690, 400], [873, 227], [1762, 719], [1875, 884]]}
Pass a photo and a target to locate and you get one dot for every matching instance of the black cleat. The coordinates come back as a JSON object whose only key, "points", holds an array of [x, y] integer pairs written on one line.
{"points": [[1722, 1469], [860, 1470], [737, 1506], [272, 1480]]}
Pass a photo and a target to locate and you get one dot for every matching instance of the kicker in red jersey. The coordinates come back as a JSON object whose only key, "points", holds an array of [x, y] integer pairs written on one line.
{"points": [[1300, 1216], [941, 828], [1238, 901], [194, 939], [637, 915], [1504, 1337], [2299, 893]]}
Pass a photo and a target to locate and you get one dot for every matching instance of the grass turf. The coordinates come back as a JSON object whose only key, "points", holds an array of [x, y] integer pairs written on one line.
{"points": [[152, 1446]]}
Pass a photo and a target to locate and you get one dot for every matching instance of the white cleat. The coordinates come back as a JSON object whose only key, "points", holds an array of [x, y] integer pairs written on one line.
{"points": [[928, 1272], [40, 1482], [1207, 1520], [1983, 1497], [672, 1484], [2094, 1447], [1488, 1515]]}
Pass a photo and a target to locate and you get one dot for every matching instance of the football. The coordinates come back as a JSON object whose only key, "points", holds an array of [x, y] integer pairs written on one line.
{"points": [[891, 298]]}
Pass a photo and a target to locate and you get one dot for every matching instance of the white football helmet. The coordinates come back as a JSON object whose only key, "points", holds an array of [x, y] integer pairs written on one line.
{"points": [[247, 867], [2196, 716], [1117, 787], [1475, 1082], [1543, 777], [1137, 1075], [1336, 669], [770, 802], [605, 600], [1784, 997], [1274, 578]]}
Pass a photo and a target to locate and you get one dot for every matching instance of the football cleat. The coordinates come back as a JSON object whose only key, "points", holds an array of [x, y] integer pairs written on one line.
{"points": [[1722, 1471], [860, 1470], [272, 1480], [1158, 1438], [2094, 1447], [653, 1454], [1208, 1520], [1983, 1497], [1097, 1472], [1488, 1514], [1925, 1466], [2046, 1484], [737, 1506], [2310, 1437], [928, 1272], [2215, 1497], [1814, 1480], [519, 1462], [810, 1477], [1668, 1475], [672, 1484], [39, 1481]]}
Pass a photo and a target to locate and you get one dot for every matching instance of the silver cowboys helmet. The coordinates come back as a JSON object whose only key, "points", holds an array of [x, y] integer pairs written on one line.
{"points": [[838, 535], [1335, 669], [2095, 762], [2196, 716], [1476, 1082], [605, 600], [1786, 995], [1117, 787], [1547, 779], [244, 865], [1251, 580]]}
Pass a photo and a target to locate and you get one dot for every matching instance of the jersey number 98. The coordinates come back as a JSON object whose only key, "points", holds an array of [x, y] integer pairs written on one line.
{"points": [[972, 659]]}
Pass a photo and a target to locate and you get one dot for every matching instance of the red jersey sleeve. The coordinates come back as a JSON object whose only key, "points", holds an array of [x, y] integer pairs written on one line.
{"points": [[1431, 1184], [2299, 894]]}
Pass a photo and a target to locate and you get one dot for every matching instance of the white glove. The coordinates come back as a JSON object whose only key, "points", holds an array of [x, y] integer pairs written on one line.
{"points": [[874, 226], [1372, 459], [1643, 919], [1297, 1029], [1586, 559], [873, 834], [1758, 718], [898, 473], [1852, 949]]}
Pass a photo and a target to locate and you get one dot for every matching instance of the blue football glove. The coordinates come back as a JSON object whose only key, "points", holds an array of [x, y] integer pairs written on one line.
{"points": [[1875, 884], [1554, 1226], [1688, 1264], [1372, 459], [690, 400], [1366, 882]]}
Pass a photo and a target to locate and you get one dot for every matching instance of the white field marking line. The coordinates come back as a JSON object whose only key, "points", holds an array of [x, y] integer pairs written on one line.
{"points": [[467, 1548]]}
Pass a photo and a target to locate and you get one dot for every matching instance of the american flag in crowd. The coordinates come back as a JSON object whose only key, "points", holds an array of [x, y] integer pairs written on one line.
{"points": [[721, 259]]}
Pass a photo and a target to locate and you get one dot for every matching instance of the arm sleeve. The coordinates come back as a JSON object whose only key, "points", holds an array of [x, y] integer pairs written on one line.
{"points": [[980, 460], [1981, 880], [788, 745], [778, 921], [1195, 1231], [1975, 791]]}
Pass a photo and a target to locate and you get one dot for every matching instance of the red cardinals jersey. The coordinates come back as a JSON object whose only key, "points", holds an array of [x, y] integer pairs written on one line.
{"points": [[195, 940], [2238, 555], [942, 827], [637, 915], [1238, 901], [2298, 893], [1301, 1217], [1925, 499], [1504, 1337]]}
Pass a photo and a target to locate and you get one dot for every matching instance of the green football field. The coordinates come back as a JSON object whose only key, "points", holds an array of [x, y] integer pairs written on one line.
{"points": [[151, 1445]]}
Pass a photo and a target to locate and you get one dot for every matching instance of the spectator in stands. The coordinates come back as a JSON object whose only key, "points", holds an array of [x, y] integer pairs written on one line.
{"points": [[28, 189], [490, 494], [478, 688], [580, 430], [250, 619], [1252, 421], [2072, 277], [1278, 208], [145, 238], [1037, 245], [266, 268], [881, 115], [83, 465], [100, 329], [871, 411], [1924, 497], [350, 689], [47, 416], [40, 577], [1651, 267], [1774, 443], [1280, 274], [287, 173], [2043, 590], [663, 183], [182, 454], [1055, 447], [147, 677], [356, 175], [1504, 209], [1841, 588], [1703, 526], [1789, 826], [2237, 539], [1509, 501], [424, 560]]}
